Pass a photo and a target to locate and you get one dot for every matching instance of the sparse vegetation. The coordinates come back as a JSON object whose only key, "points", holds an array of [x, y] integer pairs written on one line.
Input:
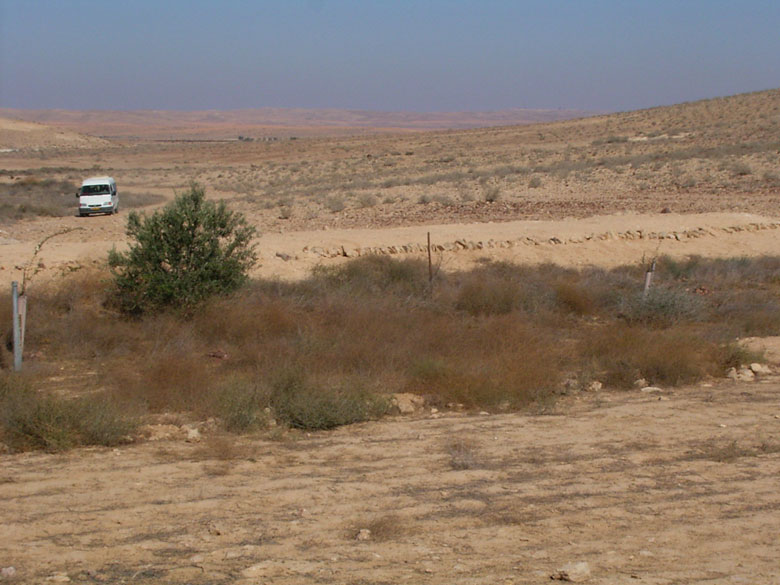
{"points": [[33, 420], [463, 454], [334, 204], [33, 197], [327, 351]]}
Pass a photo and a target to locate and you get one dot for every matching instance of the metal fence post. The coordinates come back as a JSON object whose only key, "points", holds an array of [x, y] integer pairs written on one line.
{"points": [[648, 279], [17, 328]]}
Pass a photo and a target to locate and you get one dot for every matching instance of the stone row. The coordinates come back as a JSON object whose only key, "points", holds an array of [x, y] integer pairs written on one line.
{"points": [[463, 244]]}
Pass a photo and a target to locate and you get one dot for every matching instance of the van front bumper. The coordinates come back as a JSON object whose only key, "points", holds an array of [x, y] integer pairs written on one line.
{"points": [[84, 209]]}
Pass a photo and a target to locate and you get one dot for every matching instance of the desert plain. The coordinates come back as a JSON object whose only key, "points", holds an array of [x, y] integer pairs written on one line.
{"points": [[665, 486]]}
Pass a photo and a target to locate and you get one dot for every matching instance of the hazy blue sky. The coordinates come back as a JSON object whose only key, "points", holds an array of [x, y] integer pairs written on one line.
{"points": [[434, 55]]}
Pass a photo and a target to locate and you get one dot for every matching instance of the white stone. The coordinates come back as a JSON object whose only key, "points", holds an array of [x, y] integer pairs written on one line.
{"points": [[573, 572], [7, 572], [594, 386], [757, 368], [745, 375], [193, 435], [408, 403]]}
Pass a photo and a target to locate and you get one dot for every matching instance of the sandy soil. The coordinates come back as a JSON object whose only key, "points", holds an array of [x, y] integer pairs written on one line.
{"points": [[654, 488]]}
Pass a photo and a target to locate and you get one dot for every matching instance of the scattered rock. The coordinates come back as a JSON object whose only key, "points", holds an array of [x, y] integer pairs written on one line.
{"points": [[742, 375], [745, 375], [594, 386], [283, 256], [651, 389], [161, 432], [757, 368], [7, 572], [193, 434], [58, 578], [257, 570], [407, 403], [363, 534], [572, 572], [640, 383]]}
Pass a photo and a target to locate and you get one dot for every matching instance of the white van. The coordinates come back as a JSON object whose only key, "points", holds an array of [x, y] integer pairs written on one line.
{"points": [[98, 195]]}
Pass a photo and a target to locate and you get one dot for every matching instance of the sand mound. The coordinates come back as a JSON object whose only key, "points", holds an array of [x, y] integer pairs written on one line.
{"points": [[19, 135]]}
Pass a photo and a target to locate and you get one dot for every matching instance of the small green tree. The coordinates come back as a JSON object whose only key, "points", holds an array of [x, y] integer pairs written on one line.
{"points": [[188, 251]]}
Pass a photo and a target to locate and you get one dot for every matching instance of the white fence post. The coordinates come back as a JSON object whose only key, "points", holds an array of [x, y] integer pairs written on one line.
{"points": [[17, 327]]}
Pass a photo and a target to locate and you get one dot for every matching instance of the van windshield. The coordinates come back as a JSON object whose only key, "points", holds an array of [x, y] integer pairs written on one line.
{"points": [[95, 190]]}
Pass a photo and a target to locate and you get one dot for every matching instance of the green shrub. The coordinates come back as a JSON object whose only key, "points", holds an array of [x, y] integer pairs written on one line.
{"points": [[188, 251]]}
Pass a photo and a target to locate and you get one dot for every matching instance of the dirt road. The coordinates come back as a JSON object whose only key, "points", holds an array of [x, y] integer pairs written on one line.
{"points": [[601, 241], [656, 488]]}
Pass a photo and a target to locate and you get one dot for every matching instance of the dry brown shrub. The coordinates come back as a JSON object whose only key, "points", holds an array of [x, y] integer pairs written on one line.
{"points": [[487, 295], [575, 298], [382, 528], [668, 357], [67, 318], [463, 454], [495, 363], [167, 381], [32, 197]]}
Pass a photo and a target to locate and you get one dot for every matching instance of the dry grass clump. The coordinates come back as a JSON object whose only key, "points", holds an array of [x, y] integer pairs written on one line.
{"points": [[382, 528], [479, 365], [133, 200], [720, 451], [33, 197], [671, 357], [661, 307], [375, 274], [303, 404], [575, 298], [33, 420], [463, 454], [328, 350]]}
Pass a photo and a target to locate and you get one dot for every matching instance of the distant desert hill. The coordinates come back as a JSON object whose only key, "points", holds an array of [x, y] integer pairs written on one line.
{"points": [[17, 134], [731, 121], [267, 123]]}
